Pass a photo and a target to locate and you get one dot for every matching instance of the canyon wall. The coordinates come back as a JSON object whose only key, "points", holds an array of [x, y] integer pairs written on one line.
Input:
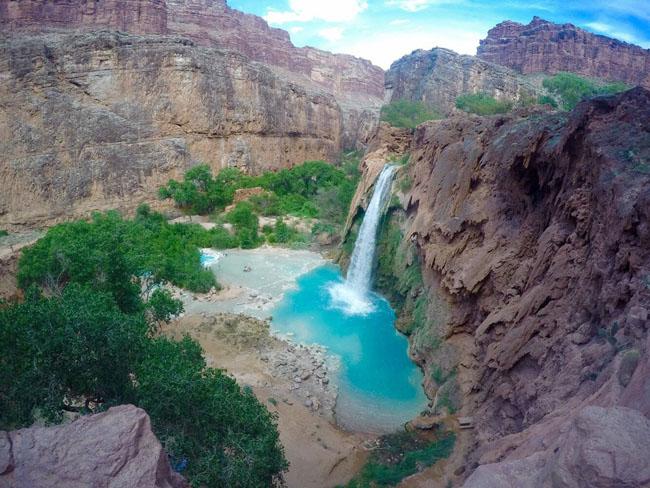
{"points": [[543, 46], [100, 120], [533, 230], [208, 23], [92, 118], [437, 77], [532, 234]]}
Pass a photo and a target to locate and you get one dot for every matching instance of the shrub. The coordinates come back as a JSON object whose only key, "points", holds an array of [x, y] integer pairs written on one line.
{"points": [[482, 104], [245, 223], [3, 233], [108, 252], [571, 88], [408, 114], [401, 455], [546, 100]]}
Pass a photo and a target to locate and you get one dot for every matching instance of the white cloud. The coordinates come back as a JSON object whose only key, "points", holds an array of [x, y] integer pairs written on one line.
{"points": [[612, 31], [308, 10], [295, 29], [417, 5], [332, 34], [386, 47], [398, 22]]}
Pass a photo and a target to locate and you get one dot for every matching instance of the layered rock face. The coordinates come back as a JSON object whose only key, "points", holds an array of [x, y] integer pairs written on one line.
{"points": [[100, 120], [437, 77], [533, 235], [208, 23], [94, 119], [114, 449], [543, 46]]}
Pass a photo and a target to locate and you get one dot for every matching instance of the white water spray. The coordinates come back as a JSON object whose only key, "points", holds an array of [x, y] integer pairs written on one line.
{"points": [[352, 296]]}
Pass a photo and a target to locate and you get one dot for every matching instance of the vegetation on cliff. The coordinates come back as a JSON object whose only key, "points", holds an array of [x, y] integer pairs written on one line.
{"points": [[482, 104], [314, 189], [400, 455], [408, 114], [85, 338], [570, 88]]}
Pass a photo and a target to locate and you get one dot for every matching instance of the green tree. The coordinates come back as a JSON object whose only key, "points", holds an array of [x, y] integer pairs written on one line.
{"points": [[202, 415], [407, 113], [482, 104], [571, 88], [56, 353]]}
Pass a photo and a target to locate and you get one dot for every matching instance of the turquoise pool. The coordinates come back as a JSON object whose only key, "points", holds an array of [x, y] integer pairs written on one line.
{"points": [[379, 386]]}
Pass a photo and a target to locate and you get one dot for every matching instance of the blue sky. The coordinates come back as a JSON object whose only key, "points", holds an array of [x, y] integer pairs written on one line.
{"points": [[385, 30]]}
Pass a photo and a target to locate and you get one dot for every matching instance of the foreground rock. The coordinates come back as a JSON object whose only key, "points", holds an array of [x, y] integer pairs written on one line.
{"points": [[543, 46], [115, 449], [602, 448]]}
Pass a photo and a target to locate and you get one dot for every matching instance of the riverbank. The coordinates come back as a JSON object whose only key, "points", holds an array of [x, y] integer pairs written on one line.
{"points": [[293, 381]]}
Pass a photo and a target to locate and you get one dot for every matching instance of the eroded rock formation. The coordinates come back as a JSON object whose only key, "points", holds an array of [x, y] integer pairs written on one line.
{"points": [[437, 77], [543, 46], [93, 119], [534, 230], [114, 449]]}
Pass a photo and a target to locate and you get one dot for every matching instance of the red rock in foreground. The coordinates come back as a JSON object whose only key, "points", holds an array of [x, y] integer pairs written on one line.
{"points": [[543, 46], [114, 449]]}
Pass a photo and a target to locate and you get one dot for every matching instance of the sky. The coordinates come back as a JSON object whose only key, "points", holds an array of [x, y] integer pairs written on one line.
{"points": [[385, 30]]}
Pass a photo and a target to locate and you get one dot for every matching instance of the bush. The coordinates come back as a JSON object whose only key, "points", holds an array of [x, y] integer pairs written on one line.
{"points": [[482, 104], [245, 223], [546, 100], [3, 233], [401, 455], [408, 114], [108, 252], [571, 88]]}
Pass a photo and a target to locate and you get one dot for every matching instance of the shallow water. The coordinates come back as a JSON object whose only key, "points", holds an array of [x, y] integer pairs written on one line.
{"points": [[379, 386]]}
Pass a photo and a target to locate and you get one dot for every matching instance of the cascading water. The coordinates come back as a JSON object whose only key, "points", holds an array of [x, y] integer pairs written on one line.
{"points": [[352, 295]]}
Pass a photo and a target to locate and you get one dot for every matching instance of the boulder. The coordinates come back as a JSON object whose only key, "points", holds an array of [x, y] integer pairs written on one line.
{"points": [[114, 449], [601, 448]]}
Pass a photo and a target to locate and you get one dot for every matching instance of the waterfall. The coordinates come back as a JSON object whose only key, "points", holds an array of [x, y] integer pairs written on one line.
{"points": [[351, 296], [360, 270]]}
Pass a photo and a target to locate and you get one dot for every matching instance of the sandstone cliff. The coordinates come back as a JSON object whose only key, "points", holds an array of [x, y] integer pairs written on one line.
{"points": [[100, 120], [543, 46], [208, 23], [532, 231], [437, 77], [93, 119], [114, 449]]}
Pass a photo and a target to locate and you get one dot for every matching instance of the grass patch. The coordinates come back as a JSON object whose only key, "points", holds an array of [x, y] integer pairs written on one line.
{"points": [[570, 88], [401, 455], [482, 104], [407, 114]]}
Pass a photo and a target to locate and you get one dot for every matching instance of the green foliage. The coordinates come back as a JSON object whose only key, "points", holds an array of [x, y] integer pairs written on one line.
{"points": [[405, 183], [571, 88], [314, 189], [82, 349], [401, 455], [108, 252], [245, 222], [55, 350], [202, 415], [482, 104], [3, 233], [162, 306], [546, 100], [407, 113]]}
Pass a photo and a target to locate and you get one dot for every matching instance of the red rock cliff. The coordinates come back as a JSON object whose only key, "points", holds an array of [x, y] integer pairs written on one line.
{"points": [[208, 23], [543, 46], [534, 237]]}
